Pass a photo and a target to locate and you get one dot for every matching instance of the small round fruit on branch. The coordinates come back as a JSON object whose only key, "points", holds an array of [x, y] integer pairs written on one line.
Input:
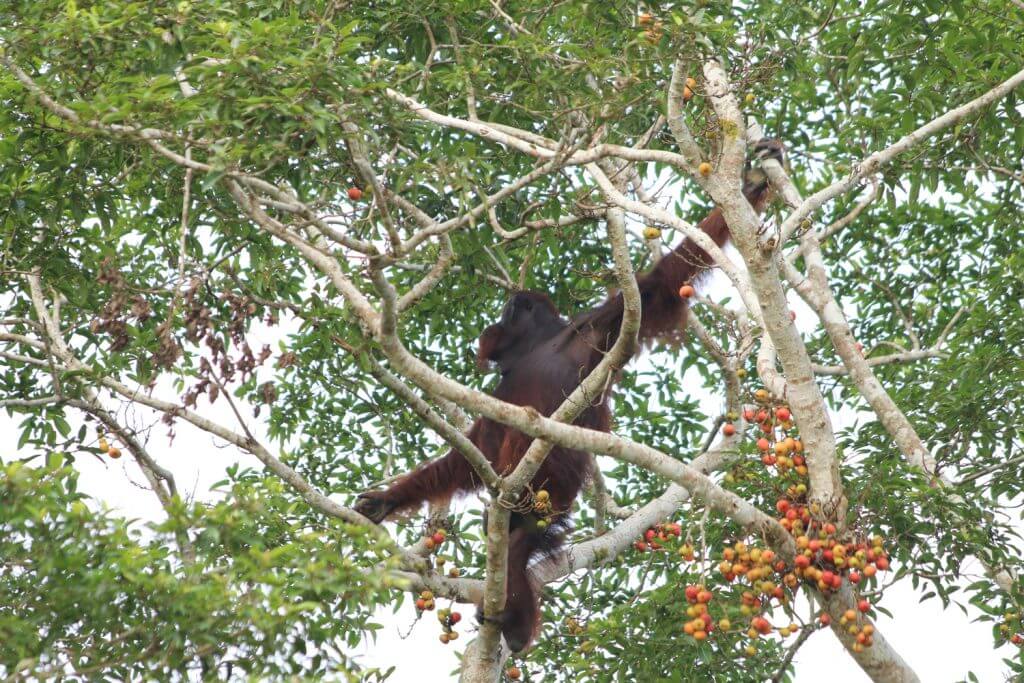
{"points": [[355, 194], [687, 291]]}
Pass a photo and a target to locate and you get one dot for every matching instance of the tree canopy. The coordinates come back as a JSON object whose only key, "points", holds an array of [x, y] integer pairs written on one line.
{"points": [[311, 209]]}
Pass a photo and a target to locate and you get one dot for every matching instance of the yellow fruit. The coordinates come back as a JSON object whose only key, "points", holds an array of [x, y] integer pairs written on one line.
{"points": [[704, 169], [651, 233]]}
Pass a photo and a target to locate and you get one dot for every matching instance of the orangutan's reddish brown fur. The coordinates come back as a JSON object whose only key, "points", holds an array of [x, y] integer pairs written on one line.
{"points": [[542, 358]]}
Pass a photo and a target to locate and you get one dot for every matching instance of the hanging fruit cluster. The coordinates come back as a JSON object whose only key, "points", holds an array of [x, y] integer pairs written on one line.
{"points": [[825, 557], [433, 540], [448, 620], [543, 509], [655, 538], [105, 447], [778, 445], [1012, 624], [701, 623], [855, 625], [453, 572], [425, 602], [653, 28]]}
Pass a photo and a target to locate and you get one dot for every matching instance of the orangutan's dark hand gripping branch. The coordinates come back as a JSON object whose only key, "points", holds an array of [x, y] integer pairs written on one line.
{"points": [[542, 358]]}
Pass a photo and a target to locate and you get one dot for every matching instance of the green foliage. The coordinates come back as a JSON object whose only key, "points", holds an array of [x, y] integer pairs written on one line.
{"points": [[271, 83], [266, 593]]}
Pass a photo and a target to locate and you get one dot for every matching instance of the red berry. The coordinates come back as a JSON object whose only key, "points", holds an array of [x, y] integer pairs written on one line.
{"points": [[854, 577], [456, 617], [864, 605], [355, 194], [783, 414], [782, 505], [748, 414], [802, 561], [421, 604], [686, 291], [438, 538], [825, 619], [729, 429], [691, 593], [763, 444], [882, 563]]}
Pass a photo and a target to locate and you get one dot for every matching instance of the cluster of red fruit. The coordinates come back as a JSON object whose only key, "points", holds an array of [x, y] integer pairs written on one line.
{"points": [[753, 564], [863, 632], [701, 623], [1012, 623], [448, 620], [758, 566], [823, 560], [435, 539], [425, 602], [655, 538], [784, 452]]}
